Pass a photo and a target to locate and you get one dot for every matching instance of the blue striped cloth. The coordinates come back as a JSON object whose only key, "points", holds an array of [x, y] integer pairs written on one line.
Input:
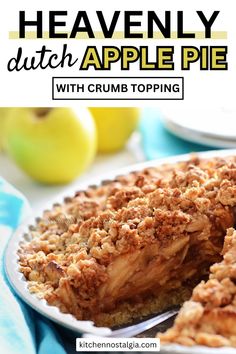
{"points": [[22, 330]]}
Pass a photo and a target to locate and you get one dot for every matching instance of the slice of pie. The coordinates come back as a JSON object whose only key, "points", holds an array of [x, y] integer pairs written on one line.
{"points": [[135, 245], [209, 317]]}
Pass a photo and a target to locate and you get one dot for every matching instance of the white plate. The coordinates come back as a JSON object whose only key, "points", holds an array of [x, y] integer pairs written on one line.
{"points": [[19, 283], [212, 127]]}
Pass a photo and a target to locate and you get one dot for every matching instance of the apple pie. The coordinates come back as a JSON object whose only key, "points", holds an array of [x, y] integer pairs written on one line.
{"points": [[135, 245]]}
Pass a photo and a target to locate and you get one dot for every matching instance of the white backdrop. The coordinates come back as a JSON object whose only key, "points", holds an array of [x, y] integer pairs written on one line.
{"points": [[33, 88]]}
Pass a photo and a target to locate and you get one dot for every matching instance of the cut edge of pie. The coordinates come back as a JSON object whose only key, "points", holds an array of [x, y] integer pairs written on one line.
{"points": [[209, 317], [135, 245]]}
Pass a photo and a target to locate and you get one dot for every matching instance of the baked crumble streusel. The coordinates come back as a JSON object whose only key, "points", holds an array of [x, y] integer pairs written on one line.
{"points": [[135, 245]]}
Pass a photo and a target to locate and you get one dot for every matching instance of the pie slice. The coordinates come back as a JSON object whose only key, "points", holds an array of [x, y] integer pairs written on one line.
{"points": [[209, 317], [135, 245]]}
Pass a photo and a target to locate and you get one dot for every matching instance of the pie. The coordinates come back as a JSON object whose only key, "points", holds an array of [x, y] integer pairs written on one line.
{"points": [[135, 245]]}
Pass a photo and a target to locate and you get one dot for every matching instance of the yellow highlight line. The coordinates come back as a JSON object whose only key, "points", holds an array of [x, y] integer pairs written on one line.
{"points": [[119, 35]]}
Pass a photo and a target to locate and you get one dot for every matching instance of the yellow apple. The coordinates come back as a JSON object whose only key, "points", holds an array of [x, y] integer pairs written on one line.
{"points": [[52, 145], [114, 126], [3, 116]]}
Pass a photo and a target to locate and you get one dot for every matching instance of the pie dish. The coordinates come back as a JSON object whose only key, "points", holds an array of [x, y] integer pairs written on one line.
{"points": [[134, 245]]}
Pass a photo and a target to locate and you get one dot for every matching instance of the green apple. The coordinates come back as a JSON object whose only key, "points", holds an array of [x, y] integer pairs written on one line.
{"points": [[114, 126], [3, 116], [52, 145]]}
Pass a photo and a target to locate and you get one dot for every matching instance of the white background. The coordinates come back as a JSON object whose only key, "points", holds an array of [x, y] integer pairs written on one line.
{"points": [[147, 88], [33, 88]]}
